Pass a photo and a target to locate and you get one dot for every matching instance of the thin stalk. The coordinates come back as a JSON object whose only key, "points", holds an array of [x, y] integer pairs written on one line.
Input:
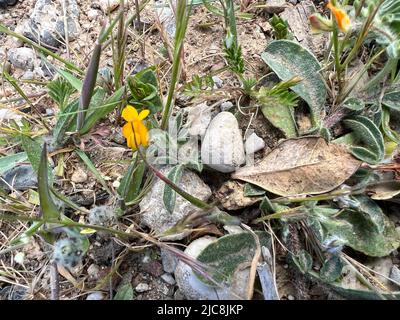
{"points": [[195, 201], [335, 38], [182, 19], [343, 95], [361, 36]]}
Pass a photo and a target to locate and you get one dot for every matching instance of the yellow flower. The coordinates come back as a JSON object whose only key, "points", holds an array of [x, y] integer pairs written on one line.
{"points": [[341, 17], [135, 131]]}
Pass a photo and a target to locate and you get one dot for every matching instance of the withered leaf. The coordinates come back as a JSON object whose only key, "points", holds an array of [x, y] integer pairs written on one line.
{"points": [[301, 166]]}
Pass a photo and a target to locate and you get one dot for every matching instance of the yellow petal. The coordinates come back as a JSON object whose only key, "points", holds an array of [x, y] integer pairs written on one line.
{"points": [[143, 114], [144, 134], [129, 113], [127, 130], [134, 141], [341, 17]]}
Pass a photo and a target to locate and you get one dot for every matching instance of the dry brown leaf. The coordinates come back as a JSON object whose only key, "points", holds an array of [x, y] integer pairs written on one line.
{"points": [[301, 166]]}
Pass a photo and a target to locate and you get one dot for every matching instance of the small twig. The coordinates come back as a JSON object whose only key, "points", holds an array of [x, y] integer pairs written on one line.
{"points": [[54, 281]]}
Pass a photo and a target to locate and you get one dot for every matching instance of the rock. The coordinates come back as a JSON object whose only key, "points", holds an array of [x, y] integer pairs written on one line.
{"points": [[253, 144], [166, 16], [46, 23], [93, 14], [22, 58], [297, 19], [383, 268], [97, 295], [93, 271], [108, 5], [198, 119], [225, 106], [168, 279], [395, 274], [153, 212], [222, 148], [194, 289], [8, 114], [218, 83], [5, 3], [79, 176], [169, 260], [142, 287], [275, 6], [231, 196], [154, 268], [102, 215], [28, 75], [21, 177]]}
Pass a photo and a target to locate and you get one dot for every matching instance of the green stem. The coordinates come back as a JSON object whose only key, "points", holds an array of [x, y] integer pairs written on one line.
{"points": [[195, 201], [335, 37]]}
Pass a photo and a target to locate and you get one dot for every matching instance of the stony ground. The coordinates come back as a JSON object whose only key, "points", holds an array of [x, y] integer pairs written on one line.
{"points": [[110, 263]]}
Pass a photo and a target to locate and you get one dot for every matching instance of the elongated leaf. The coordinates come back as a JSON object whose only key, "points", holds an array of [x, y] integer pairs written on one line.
{"points": [[88, 85], [392, 100], [49, 208], [33, 150], [229, 253], [169, 196], [130, 184], [125, 292], [288, 59], [65, 122], [301, 166], [73, 81], [355, 230], [93, 169], [371, 210], [389, 132], [368, 133], [331, 269], [102, 110], [9, 162]]}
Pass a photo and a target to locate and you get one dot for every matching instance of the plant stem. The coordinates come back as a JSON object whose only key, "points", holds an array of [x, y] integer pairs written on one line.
{"points": [[335, 36], [182, 19]]}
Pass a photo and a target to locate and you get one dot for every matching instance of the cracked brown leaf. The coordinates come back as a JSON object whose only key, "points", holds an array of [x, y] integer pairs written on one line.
{"points": [[301, 166]]}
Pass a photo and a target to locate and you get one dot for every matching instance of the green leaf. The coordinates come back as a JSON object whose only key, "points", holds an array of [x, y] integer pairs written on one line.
{"points": [[49, 208], [303, 261], [169, 196], [144, 90], [130, 184], [73, 81], [9, 162], [65, 122], [280, 27], [354, 104], [331, 269], [97, 112], [60, 90], [389, 132], [251, 190], [368, 133], [392, 100], [288, 59], [278, 108], [33, 150], [229, 253], [355, 229], [93, 169], [124, 292], [371, 210]]}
